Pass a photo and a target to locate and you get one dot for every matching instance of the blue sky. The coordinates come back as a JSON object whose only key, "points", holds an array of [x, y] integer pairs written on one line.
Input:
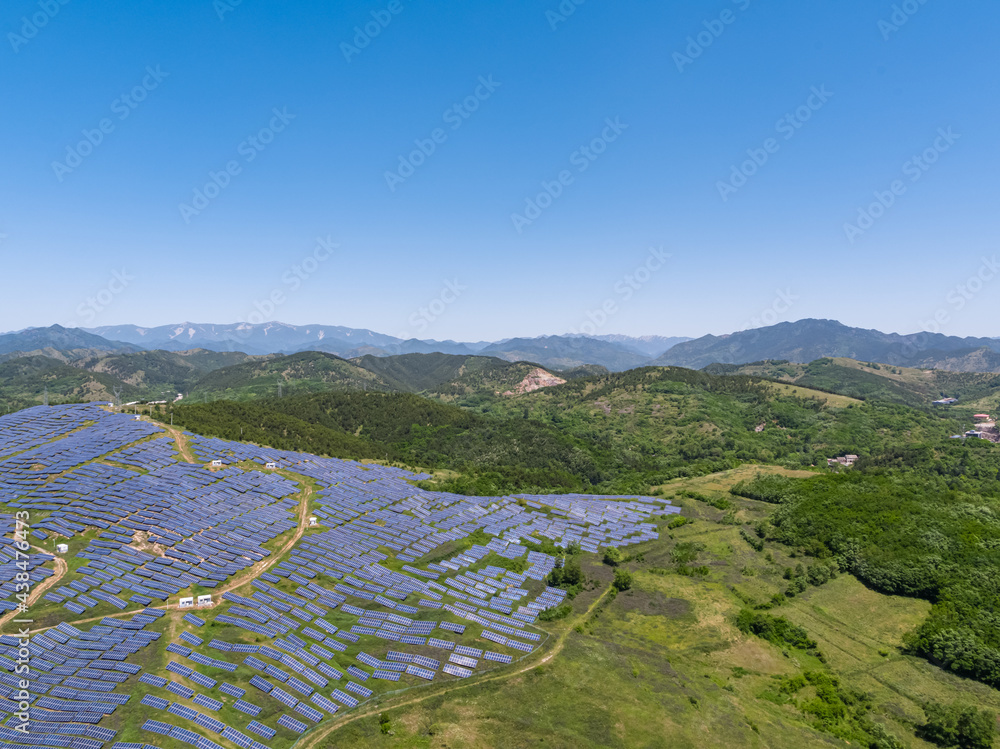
{"points": [[650, 231]]}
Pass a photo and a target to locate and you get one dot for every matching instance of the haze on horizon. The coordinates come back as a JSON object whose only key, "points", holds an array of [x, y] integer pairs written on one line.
{"points": [[528, 169]]}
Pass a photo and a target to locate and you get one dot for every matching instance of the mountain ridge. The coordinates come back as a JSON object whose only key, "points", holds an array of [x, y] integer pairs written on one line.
{"points": [[806, 340]]}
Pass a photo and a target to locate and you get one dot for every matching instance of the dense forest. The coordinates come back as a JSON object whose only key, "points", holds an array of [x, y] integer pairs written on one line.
{"points": [[621, 433], [922, 521]]}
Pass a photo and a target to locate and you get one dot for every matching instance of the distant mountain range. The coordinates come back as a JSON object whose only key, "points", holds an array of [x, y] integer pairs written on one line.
{"points": [[60, 339], [807, 340], [615, 352], [800, 342]]}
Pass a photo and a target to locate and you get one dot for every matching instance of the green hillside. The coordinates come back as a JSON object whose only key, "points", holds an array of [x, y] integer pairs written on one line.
{"points": [[618, 433], [450, 376], [306, 372], [148, 370], [668, 422], [494, 455], [873, 381], [24, 381]]}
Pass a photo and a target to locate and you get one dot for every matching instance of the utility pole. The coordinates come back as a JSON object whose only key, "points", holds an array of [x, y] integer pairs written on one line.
{"points": [[45, 400]]}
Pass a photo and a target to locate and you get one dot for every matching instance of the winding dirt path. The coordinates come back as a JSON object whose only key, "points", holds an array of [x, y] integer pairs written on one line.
{"points": [[181, 441], [312, 740], [36, 592], [252, 573]]}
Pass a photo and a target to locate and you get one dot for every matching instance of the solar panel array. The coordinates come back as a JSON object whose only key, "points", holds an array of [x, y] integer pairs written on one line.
{"points": [[156, 526]]}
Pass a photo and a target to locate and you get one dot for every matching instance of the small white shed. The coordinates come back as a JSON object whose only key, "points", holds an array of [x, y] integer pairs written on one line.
{"points": [[186, 603]]}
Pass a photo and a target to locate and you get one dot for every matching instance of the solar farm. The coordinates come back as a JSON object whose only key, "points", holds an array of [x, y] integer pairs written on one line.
{"points": [[245, 598]]}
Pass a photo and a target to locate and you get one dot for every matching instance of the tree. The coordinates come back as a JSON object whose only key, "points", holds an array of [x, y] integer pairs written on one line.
{"points": [[963, 726], [623, 580], [572, 574], [612, 556]]}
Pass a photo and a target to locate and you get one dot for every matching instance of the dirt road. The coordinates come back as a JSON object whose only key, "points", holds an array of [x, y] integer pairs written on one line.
{"points": [[252, 573]]}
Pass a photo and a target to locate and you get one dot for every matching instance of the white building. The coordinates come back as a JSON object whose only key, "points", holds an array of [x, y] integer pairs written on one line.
{"points": [[205, 600], [186, 603], [62, 548], [216, 463]]}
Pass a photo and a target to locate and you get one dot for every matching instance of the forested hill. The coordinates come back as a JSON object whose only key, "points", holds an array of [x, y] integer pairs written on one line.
{"points": [[623, 432], [874, 381], [920, 521]]}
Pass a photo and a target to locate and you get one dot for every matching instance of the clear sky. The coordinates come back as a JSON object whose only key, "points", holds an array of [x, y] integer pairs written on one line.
{"points": [[708, 162]]}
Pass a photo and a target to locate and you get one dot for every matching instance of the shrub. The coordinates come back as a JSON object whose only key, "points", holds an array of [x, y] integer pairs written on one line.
{"points": [[623, 580], [556, 612], [755, 543], [568, 576], [958, 725], [775, 629], [764, 488]]}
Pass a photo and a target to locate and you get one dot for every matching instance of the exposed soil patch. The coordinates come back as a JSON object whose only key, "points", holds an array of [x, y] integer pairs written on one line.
{"points": [[536, 380], [653, 603]]}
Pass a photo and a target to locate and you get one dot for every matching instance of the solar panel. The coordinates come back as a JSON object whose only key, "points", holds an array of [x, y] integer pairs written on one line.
{"points": [[344, 698], [261, 730], [309, 712], [211, 704], [327, 704], [247, 707], [459, 671], [292, 724]]}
